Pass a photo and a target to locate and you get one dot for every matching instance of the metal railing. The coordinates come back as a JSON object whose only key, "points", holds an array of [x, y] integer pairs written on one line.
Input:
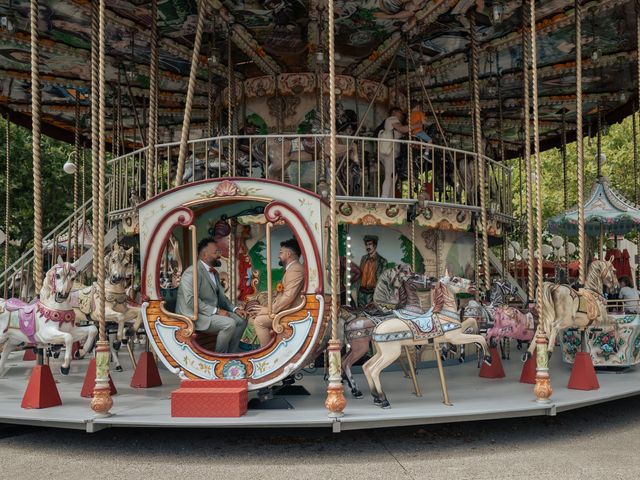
{"points": [[372, 168]]}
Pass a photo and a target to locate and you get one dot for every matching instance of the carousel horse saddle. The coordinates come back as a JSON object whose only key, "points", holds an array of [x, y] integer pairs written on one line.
{"points": [[26, 319], [422, 324], [589, 304]]}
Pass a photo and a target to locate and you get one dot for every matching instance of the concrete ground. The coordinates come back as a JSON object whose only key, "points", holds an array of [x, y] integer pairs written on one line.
{"points": [[597, 442]]}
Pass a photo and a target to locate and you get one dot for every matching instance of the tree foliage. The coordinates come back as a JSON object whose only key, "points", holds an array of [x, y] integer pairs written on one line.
{"points": [[617, 145], [57, 186]]}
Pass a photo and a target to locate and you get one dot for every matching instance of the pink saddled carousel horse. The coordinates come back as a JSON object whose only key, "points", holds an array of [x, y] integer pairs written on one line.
{"points": [[508, 322], [409, 327], [563, 307], [48, 321]]}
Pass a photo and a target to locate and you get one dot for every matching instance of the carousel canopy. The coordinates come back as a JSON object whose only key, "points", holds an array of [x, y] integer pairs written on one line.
{"points": [[275, 48], [605, 209]]}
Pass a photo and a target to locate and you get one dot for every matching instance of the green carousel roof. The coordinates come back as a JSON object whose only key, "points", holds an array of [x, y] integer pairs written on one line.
{"points": [[605, 209]]}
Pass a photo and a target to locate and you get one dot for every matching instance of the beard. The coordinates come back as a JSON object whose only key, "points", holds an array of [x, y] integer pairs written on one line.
{"points": [[216, 263], [281, 263]]}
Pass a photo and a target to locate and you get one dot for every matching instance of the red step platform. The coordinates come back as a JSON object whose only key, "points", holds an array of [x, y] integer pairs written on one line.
{"points": [[495, 370], [90, 381], [583, 375], [210, 398], [146, 374], [41, 391], [528, 374]]}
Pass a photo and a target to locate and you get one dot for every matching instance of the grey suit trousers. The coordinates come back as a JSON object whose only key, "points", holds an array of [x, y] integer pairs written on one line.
{"points": [[229, 330]]}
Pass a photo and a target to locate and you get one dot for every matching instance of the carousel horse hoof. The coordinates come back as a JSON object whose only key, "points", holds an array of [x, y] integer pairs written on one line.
{"points": [[117, 344], [77, 355], [385, 404], [461, 359], [56, 354], [125, 340], [493, 342], [549, 355], [119, 369], [65, 370], [356, 393], [487, 359]]}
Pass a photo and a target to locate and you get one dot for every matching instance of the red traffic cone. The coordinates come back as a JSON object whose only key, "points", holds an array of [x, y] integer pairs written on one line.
{"points": [[29, 355], [146, 374], [528, 374], [494, 370], [583, 375], [41, 391], [90, 381]]}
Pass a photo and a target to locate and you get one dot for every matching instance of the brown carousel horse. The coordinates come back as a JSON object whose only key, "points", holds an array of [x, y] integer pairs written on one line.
{"points": [[441, 324], [563, 307], [396, 288]]}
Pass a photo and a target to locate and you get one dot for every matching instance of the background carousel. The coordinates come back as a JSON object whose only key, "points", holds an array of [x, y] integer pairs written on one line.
{"points": [[275, 119]]}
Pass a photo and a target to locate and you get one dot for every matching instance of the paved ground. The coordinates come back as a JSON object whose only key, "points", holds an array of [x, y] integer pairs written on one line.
{"points": [[599, 442]]}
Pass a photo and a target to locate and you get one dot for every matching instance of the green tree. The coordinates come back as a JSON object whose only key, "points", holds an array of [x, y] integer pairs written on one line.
{"points": [[57, 186]]}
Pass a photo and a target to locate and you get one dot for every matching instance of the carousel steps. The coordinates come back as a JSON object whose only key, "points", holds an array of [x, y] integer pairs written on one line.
{"points": [[210, 398]]}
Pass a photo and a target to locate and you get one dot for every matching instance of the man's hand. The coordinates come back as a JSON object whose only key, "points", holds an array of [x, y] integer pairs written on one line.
{"points": [[223, 312], [241, 311]]}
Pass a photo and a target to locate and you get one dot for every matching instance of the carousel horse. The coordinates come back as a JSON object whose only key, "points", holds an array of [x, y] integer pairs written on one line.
{"points": [[563, 307], [411, 327], [396, 288], [50, 320], [118, 308], [508, 322]]}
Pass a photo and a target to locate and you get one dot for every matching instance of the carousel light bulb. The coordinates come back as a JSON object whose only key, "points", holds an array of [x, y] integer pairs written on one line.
{"points": [[320, 56], [69, 167], [348, 238], [547, 250], [562, 251], [213, 59], [596, 54], [623, 97], [421, 70], [525, 253]]}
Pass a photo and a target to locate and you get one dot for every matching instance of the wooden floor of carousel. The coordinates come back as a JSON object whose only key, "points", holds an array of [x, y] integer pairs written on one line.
{"points": [[473, 398]]}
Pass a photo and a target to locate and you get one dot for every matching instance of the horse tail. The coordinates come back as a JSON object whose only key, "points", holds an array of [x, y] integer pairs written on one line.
{"points": [[546, 308]]}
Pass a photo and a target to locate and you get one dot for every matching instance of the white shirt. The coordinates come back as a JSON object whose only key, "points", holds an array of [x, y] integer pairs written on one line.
{"points": [[632, 297]]}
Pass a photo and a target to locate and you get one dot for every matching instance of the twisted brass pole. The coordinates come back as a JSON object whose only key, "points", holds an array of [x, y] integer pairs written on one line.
{"points": [[335, 401], [101, 402], [35, 145], [580, 144], [153, 103], [7, 203], [186, 121], [479, 153], [95, 93], [527, 156], [75, 180]]}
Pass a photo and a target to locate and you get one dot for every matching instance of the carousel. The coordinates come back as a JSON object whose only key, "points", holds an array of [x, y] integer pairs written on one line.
{"points": [[305, 213]]}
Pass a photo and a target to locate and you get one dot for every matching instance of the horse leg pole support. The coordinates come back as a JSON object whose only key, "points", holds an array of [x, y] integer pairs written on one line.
{"points": [[412, 371], [443, 380]]}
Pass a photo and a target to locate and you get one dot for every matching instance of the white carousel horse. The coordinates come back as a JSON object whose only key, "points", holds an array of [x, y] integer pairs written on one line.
{"points": [[118, 310], [563, 307], [48, 321], [441, 324]]}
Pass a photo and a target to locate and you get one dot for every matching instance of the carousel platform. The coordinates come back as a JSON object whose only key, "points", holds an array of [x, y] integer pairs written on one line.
{"points": [[473, 398]]}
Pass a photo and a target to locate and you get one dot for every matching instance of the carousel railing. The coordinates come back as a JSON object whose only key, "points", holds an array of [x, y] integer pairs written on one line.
{"points": [[443, 174]]}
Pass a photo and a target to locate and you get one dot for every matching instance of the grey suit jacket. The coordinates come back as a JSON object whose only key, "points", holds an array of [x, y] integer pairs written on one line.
{"points": [[211, 297]]}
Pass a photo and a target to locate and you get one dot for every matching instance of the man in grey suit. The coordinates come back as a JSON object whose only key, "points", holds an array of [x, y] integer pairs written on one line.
{"points": [[216, 314]]}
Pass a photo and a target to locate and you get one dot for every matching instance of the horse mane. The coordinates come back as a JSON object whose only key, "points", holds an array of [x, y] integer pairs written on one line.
{"points": [[594, 280], [438, 297]]}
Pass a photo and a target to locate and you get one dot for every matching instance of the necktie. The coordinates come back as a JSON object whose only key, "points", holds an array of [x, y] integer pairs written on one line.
{"points": [[213, 270]]}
